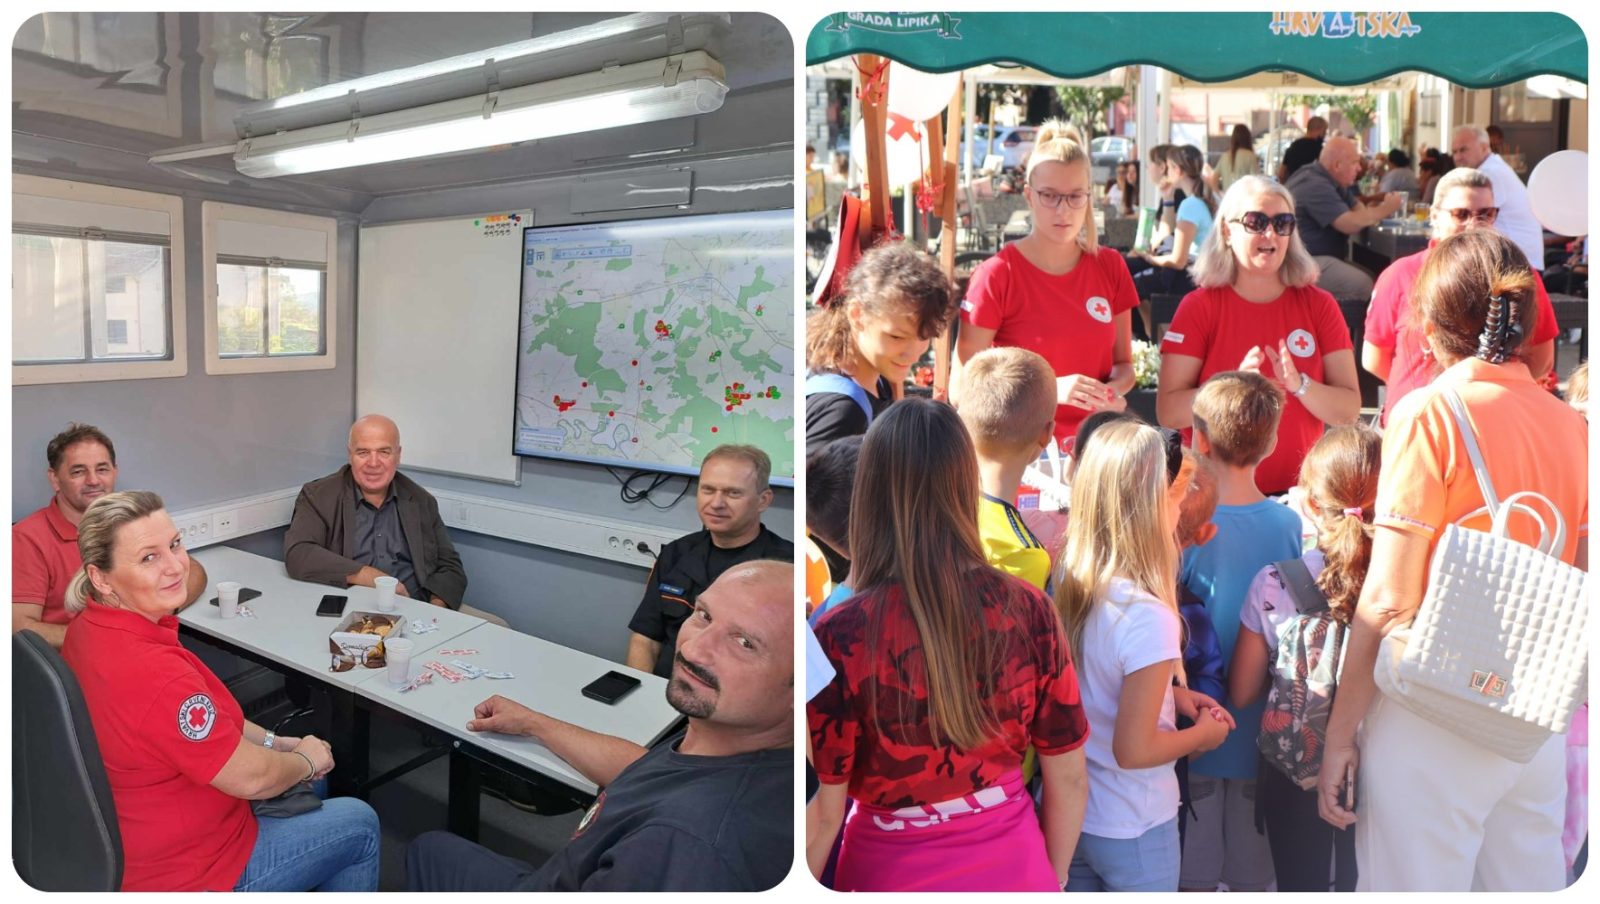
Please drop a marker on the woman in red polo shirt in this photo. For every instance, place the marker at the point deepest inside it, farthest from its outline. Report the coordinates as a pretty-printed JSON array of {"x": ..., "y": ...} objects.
[
  {"x": 182, "y": 761},
  {"x": 1057, "y": 292},
  {"x": 1257, "y": 308}
]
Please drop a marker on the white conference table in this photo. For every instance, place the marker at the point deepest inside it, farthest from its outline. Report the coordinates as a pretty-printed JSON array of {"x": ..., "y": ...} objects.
[{"x": 287, "y": 633}]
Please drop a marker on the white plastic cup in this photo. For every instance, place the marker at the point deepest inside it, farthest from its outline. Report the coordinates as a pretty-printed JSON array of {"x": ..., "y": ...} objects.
[
  {"x": 397, "y": 652},
  {"x": 385, "y": 587},
  {"x": 228, "y": 598}
]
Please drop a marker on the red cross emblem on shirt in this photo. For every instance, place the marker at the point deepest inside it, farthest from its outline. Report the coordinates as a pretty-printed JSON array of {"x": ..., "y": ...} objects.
[
  {"x": 1301, "y": 343},
  {"x": 197, "y": 717},
  {"x": 1100, "y": 308}
]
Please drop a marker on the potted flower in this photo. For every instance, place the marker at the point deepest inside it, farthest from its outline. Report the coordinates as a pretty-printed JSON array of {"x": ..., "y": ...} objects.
[{"x": 1146, "y": 367}]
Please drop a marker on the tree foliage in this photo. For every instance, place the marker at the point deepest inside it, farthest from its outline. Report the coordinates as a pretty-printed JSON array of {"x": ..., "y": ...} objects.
[{"x": 1087, "y": 106}]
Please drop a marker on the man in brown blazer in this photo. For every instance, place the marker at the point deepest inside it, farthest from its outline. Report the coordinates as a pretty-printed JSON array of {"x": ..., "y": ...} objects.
[{"x": 367, "y": 521}]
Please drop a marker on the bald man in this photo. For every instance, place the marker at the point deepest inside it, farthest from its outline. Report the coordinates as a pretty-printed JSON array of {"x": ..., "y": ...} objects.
[
  {"x": 1329, "y": 213},
  {"x": 367, "y": 521},
  {"x": 1471, "y": 146},
  {"x": 711, "y": 808}
]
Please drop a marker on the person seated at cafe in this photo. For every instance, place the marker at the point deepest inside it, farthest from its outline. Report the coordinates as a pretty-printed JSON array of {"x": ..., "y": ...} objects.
[
  {"x": 367, "y": 521},
  {"x": 44, "y": 546},
  {"x": 709, "y": 809},
  {"x": 1393, "y": 350},
  {"x": 733, "y": 492},
  {"x": 1400, "y": 177},
  {"x": 182, "y": 760},
  {"x": 1328, "y": 213}
]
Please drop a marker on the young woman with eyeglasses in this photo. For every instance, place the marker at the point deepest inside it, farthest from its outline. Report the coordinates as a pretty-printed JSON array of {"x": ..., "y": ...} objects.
[
  {"x": 1056, "y": 291},
  {"x": 1391, "y": 348},
  {"x": 1257, "y": 308}
]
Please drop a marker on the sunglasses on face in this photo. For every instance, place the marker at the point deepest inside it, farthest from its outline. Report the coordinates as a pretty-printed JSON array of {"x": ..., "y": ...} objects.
[
  {"x": 1482, "y": 214},
  {"x": 1052, "y": 200},
  {"x": 1255, "y": 222}
]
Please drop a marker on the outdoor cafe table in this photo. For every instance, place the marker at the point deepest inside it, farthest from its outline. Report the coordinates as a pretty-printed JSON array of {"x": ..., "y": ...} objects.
[
  {"x": 286, "y": 635},
  {"x": 1376, "y": 247}
]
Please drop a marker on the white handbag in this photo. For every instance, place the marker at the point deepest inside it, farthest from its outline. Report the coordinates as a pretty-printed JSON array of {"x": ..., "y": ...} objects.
[{"x": 1498, "y": 651}]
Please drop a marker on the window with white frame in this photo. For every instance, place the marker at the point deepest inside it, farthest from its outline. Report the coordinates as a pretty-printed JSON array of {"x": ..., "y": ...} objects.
[
  {"x": 270, "y": 301},
  {"x": 94, "y": 289}
]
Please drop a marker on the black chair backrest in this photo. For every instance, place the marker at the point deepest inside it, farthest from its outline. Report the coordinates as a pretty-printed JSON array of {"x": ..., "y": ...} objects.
[{"x": 64, "y": 834}]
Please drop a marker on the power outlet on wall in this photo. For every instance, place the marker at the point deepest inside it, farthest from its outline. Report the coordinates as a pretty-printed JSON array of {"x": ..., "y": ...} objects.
[{"x": 224, "y": 524}]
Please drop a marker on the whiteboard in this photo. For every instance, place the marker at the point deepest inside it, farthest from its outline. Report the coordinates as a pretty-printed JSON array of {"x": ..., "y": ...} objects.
[{"x": 436, "y": 338}]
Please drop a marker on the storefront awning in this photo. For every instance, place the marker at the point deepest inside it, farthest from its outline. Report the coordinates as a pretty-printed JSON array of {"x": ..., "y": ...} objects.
[{"x": 1475, "y": 50}]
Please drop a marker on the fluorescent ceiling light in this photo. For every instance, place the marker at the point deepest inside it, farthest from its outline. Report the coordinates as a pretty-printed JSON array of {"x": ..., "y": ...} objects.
[{"x": 666, "y": 88}]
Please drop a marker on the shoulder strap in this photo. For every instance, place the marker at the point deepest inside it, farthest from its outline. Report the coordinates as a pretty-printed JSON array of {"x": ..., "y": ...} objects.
[
  {"x": 842, "y": 385},
  {"x": 1302, "y": 587},
  {"x": 1500, "y": 510}
]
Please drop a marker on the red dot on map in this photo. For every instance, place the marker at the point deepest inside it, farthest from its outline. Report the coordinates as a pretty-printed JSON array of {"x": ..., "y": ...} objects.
[
  {"x": 641, "y": 382},
  {"x": 611, "y": 414},
  {"x": 636, "y": 362},
  {"x": 585, "y": 384},
  {"x": 713, "y": 430},
  {"x": 636, "y": 439},
  {"x": 727, "y": 408}
]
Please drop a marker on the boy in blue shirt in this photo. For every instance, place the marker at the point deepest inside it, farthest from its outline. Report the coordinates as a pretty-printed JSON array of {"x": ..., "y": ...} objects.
[{"x": 1236, "y": 416}]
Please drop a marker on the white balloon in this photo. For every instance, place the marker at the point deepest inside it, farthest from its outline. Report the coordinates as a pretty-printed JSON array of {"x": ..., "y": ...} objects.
[
  {"x": 1558, "y": 190},
  {"x": 904, "y": 155},
  {"x": 918, "y": 95}
]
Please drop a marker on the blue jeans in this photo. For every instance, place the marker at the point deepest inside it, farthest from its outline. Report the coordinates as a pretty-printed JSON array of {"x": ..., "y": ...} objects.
[
  {"x": 1147, "y": 863},
  {"x": 334, "y": 848}
]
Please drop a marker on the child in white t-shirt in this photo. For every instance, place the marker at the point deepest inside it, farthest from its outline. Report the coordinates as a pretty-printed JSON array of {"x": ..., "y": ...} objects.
[{"x": 1116, "y": 591}]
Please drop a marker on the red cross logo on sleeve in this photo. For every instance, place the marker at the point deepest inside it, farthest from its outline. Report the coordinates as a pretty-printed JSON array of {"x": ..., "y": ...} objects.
[{"x": 196, "y": 717}]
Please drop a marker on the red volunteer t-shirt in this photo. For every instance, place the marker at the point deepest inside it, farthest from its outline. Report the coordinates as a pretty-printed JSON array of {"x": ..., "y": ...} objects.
[
  {"x": 1070, "y": 319},
  {"x": 893, "y": 762},
  {"x": 1386, "y": 327},
  {"x": 166, "y": 726},
  {"x": 44, "y": 557},
  {"x": 1219, "y": 327}
]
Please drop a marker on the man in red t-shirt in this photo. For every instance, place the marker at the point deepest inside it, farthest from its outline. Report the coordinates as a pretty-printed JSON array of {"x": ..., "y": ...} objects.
[
  {"x": 44, "y": 545},
  {"x": 1392, "y": 349}
]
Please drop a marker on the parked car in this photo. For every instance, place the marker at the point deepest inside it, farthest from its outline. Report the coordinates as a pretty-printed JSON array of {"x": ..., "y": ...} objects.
[
  {"x": 1105, "y": 153},
  {"x": 1011, "y": 143}
]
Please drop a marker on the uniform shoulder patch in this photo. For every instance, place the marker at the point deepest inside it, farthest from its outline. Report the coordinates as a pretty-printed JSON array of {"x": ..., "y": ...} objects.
[{"x": 196, "y": 717}]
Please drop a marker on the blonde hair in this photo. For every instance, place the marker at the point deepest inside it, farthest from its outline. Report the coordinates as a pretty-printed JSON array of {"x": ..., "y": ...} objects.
[
  {"x": 1238, "y": 412},
  {"x": 1215, "y": 266},
  {"x": 1059, "y": 141},
  {"x": 1200, "y": 503},
  {"x": 1340, "y": 474},
  {"x": 1118, "y": 526},
  {"x": 97, "y": 537},
  {"x": 1578, "y": 388},
  {"x": 1006, "y": 399}
]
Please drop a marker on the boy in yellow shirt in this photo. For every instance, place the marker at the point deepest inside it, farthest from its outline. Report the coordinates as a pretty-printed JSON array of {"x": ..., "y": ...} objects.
[{"x": 1007, "y": 399}]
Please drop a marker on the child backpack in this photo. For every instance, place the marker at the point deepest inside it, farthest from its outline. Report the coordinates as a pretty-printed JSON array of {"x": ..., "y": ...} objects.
[
  {"x": 1305, "y": 674},
  {"x": 842, "y": 385}
]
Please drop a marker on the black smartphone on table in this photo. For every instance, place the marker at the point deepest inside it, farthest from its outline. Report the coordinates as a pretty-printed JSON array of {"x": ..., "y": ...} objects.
[
  {"x": 246, "y": 594},
  {"x": 332, "y": 605},
  {"x": 610, "y": 687}
]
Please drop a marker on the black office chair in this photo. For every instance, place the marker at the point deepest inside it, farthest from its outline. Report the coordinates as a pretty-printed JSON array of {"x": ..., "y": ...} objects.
[{"x": 64, "y": 834}]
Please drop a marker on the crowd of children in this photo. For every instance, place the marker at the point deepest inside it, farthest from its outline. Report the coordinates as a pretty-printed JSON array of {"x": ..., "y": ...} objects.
[{"x": 1167, "y": 663}]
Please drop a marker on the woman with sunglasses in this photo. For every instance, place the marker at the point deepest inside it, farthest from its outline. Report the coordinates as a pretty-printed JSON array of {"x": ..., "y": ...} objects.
[
  {"x": 1391, "y": 348},
  {"x": 1056, "y": 291},
  {"x": 1257, "y": 308}
]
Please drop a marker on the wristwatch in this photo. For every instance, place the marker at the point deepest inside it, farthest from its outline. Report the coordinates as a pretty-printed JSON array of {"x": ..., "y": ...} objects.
[
  {"x": 1305, "y": 383},
  {"x": 269, "y": 740}
]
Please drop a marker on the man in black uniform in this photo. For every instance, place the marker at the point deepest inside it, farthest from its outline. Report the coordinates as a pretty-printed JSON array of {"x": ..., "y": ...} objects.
[
  {"x": 709, "y": 809},
  {"x": 732, "y": 495}
]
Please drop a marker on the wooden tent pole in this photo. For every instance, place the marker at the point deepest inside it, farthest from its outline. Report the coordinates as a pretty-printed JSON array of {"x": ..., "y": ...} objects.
[
  {"x": 947, "y": 236},
  {"x": 874, "y": 117}
]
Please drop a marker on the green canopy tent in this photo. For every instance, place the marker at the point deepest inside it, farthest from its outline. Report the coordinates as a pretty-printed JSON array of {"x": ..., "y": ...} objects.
[{"x": 1474, "y": 50}]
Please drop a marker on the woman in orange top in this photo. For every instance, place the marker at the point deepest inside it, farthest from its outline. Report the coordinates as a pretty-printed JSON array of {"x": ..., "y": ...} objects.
[{"x": 1437, "y": 812}]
